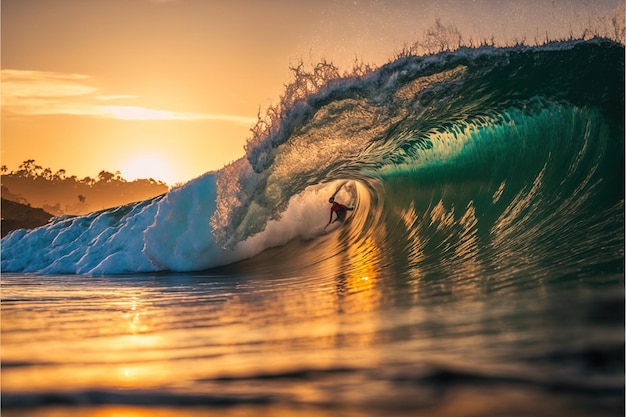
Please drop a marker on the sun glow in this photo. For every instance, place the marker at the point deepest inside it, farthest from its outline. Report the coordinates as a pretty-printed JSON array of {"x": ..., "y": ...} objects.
[{"x": 147, "y": 166}]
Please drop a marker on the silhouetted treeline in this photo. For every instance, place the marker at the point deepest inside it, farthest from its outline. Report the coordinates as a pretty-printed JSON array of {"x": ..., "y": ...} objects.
[{"x": 60, "y": 194}]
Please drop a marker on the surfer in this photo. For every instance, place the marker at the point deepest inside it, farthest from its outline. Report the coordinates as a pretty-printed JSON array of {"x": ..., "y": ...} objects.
[{"x": 341, "y": 210}]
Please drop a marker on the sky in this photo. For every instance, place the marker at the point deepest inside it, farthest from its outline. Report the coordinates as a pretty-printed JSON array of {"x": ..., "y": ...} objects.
[{"x": 169, "y": 89}]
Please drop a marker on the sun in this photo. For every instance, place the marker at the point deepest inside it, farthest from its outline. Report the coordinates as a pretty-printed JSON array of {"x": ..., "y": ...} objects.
[{"x": 148, "y": 165}]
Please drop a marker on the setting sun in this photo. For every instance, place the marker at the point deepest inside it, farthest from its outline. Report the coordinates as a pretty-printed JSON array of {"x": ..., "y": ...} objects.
[{"x": 149, "y": 165}]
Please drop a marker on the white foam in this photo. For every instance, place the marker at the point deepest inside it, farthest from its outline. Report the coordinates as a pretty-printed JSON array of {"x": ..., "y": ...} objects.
[{"x": 180, "y": 237}]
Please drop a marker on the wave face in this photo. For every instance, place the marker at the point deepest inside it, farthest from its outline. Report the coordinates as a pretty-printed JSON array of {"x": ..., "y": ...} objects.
[{"x": 488, "y": 161}]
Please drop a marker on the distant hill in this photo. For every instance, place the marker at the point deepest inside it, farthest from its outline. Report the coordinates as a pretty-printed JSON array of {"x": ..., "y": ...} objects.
[
  {"x": 20, "y": 216},
  {"x": 60, "y": 194}
]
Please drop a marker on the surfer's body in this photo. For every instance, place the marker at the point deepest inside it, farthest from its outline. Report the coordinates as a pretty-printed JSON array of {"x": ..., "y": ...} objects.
[{"x": 340, "y": 210}]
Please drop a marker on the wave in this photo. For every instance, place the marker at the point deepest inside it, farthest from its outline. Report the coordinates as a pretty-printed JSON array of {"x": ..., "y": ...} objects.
[{"x": 507, "y": 158}]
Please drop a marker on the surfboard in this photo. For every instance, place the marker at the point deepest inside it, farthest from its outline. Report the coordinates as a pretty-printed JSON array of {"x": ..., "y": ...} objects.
[{"x": 351, "y": 190}]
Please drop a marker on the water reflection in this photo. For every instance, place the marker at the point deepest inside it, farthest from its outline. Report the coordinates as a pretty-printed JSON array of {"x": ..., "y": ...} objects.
[
  {"x": 78, "y": 335},
  {"x": 147, "y": 332}
]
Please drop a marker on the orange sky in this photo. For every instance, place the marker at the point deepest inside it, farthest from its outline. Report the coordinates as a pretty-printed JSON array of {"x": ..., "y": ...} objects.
[{"x": 170, "y": 88}]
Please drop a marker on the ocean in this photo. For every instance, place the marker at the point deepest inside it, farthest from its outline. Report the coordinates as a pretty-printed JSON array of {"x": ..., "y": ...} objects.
[{"x": 481, "y": 272}]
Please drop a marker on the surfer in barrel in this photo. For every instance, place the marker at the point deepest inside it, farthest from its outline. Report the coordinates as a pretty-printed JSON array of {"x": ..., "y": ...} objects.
[{"x": 341, "y": 210}]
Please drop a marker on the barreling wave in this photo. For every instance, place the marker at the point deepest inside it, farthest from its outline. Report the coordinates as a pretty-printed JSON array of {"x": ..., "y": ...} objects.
[{"x": 496, "y": 157}]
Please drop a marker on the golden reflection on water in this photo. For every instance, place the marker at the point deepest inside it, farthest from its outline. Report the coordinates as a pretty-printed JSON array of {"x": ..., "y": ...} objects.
[
  {"x": 86, "y": 339},
  {"x": 363, "y": 265},
  {"x": 442, "y": 240},
  {"x": 134, "y": 337}
]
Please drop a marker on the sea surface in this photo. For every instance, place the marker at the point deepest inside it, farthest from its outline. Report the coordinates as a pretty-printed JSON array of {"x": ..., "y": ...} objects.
[{"x": 481, "y": 272}]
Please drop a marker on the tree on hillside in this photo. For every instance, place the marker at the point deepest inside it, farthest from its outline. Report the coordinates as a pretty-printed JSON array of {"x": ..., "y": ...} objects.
[
  {"x": 27, "y": 168},
  {"x": 105, "y": 176},
  {"x": 59, "y": 175},
  {"x": 47, "y": 174}
]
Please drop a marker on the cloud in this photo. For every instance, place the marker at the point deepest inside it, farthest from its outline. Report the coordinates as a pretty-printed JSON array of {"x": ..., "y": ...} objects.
[
  {"x": 141, "y": 113},
  {"x": 24, "y": 90},
  {"x": 116, "y": 97},
  {"x": 35, "y": 93}
]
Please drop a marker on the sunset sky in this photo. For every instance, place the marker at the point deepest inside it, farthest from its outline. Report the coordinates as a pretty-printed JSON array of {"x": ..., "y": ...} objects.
[{"x": 170, "y": 88}]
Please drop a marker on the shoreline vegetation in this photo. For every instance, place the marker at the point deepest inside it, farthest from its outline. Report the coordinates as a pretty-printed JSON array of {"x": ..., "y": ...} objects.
[{"x": 34, "y": 194}]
